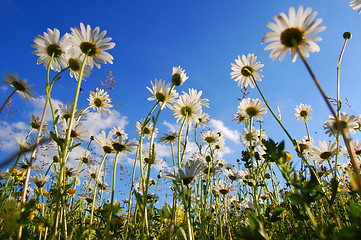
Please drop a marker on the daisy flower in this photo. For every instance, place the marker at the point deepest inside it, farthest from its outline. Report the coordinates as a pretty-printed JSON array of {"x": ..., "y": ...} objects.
[
  {"x": 233, "y": 174},
  {"x": 71, "y": 172},
  {"x": 252, "y": 108},
  {"x": 188, "y": 109},
  {"x": 23, "y": 144},
  {"x": 51, "y": 45},
  {"x": 246, "y": 70},
  {"x": 92, "y": 42},
  {"x": 19, "y": 85},
  {"x": 325, "y": 152},
  {"x": 146, "y": 130},
  {"x": 178, "y": 76},
  {"x": 203, "y": 119},
  {"x": 303, "y": 112},
  {"x": 128, "y": 145},
  {"x": 40, "y": 180},
  {"x": 105, "y": 141},
  {"x": 78, "y": 131},
  {"x": 305, "y": 144},
  {"x": 74, "y": 61},
  {"x": 119, "y": 133},
  {"x": 209, "y": 137},
  {"x": 169, "y": 137},
  {"x": 194, "y": 94},
  {"x": 191, "y": 170},
  {"x": 160, "y": 90},
  {"x": 64, "y": 111},
  {"x": 356, "y": 5},
  {"x": 222, "y": 187},
  {"x": 99, "y": 100},
  {"x": 253, "y": 138},
  {"x": 292, "y": 32},
  {"x": 86, "y": 157},
  {"x": 347, "y": 122}
]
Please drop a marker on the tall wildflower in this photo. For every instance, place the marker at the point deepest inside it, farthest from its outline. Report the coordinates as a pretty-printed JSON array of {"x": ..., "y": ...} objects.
[
  {"x": 293, "y": 31},
  {"x": 246, "y": 70},
  {"x": 51, "y": 46},
  {"x": 92, "y": 42}
]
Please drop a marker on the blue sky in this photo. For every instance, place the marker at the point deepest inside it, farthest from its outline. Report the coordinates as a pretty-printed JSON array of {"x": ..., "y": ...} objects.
[{"x": 203, "y": 37}]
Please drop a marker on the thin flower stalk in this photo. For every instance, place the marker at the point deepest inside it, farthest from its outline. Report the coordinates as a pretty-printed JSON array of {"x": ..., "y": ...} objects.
[
  {"x": 65, "y": 150},
  {"x": 347, "y": 36},
  {"x": 114, "y": 180},
  {"x": 38, "y": 137},
  {"x": 95, "y": 189}
]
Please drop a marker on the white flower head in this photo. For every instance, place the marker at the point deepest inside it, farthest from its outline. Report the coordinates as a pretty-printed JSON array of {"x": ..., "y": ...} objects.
[
  {"x": 191, "y": 169},
  {"x": 19, "y": 85},
  {"x": 51, "y": 46},
  {"x": 194, "y": 94},
  {"x": 105, "y": 141},
  {"x": 162, "y": 92},
  {"x": 74, "y": 61},
  {"x": 188, "y": 109},
  {"x": 92, "y": 42},
  {"x": 349, "y": 123},
  {"x": 253, "y": 138},
  {"x": 252, "y": 108},
  {"x": 292, "y": 32},
  {"x": 99, "y": 100},
  {"x": 119, "y": 132},
  {"x": 40, "y": 180},
  {"x": 146, "y": 130},
  {"x": 326, "y": 151},
  {"x": 303, "y": 112},
  {"x": 178, "y": 76},
  {"x": 246, "y": 70},
  {"x": 221, "y": 187},
  {"x": 78, "y": 130}
]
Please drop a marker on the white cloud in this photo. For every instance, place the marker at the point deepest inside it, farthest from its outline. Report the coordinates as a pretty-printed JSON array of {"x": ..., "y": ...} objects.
[
  {"x": 229, "y": 134},
  {"x": 97, "y": 122},
  {"x": 173, "y": 127}
]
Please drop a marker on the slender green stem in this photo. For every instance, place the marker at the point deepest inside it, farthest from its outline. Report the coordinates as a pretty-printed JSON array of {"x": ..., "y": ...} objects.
[
  {"x": 95, "y": 189},
  {"x": 272, "y": 112}
]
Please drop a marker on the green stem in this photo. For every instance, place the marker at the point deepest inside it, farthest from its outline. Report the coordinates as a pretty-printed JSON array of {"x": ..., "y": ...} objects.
[{"x": 95, "y": 190}]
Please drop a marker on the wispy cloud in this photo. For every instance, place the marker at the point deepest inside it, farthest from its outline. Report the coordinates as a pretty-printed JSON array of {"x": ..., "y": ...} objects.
[{"x": 218, "y": 125}]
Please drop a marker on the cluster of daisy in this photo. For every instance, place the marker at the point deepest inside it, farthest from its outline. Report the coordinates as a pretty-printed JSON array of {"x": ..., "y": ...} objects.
[{"x": 69, "y": 51}]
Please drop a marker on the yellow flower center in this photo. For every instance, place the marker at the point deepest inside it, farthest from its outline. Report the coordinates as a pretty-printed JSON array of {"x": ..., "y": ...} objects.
[
  {"x": 18, "y": 86},
  {"x": 209, "y": 139},
  {"x": 338, "y": 126},
  {"x": 247, "y": 71},
  {"x": 54, "y": 49},
  {"x": 74, "y": 64},
  {"x": 176, "y": 79},
  {"x": 325, "y": 155},
  {"x": 89, "y": 48},
  {"x": 160, "y": 96},
  {"x": 252, "y": 111},
  {"x": 186, "y": 111},
  {"x": 303, "y": 113},
  {"x": 98, "y": 102},
  {"x": 119, "y": 147},
  {"x": 292, "y": 37}
]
